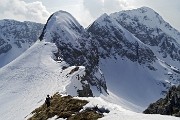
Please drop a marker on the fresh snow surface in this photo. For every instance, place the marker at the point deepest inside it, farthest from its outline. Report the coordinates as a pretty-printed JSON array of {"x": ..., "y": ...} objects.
[
  {"x": 134, "y": 86},
  {"x": 131, "y": 81},
  {"x": 56, "y": 118},
  {"x": 25, "y": 82},
  {"x": 119, "y": 113},
  {"x": 64, "y": 26},
  {"x": 12, "y": 54}
]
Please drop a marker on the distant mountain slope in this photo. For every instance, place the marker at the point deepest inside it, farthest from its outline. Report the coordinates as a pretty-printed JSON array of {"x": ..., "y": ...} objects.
[
  {"x": 149, "y": 27},
  {"x": 130, "y": 67},
  {"x": 113, "y": 40},
  {"x": 16, "y": 37}
]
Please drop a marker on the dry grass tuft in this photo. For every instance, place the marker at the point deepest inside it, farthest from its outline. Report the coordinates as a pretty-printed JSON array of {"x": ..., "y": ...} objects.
[{"x": 65, "y": 107}]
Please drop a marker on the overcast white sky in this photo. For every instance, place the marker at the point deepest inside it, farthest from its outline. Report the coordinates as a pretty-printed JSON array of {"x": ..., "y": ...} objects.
[{"x": 85, "y": 11}]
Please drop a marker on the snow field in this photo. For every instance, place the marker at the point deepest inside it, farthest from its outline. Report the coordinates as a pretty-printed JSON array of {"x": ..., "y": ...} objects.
[{"x": 32, "y": 76}]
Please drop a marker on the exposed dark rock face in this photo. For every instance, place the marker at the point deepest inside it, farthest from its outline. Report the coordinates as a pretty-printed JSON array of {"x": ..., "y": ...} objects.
[
  {"x": 86, "y": 91},
  {"x": 5, "y": 48},
  {"x": 170, "y": 105}
]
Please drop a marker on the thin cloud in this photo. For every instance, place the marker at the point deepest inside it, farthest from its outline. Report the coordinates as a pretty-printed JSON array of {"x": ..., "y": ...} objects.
[
  {"x": 98, "y": 7},
  {"x": 20, "y": 10}
]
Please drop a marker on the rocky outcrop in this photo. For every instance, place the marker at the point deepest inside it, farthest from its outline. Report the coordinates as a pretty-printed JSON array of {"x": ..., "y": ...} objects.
[
  {"x": 170, "y": 105},
  {"x": 68, "y": 108}
]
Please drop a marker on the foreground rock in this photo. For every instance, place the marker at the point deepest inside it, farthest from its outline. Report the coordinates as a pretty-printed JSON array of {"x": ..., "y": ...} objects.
[
  {"x": 66, "y": 107},
  {"x": 170, "y": 105}
]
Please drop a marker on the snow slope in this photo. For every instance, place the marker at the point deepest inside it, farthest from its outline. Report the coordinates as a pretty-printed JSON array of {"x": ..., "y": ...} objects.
[
  {"x": 25, "y": 82},
  {"x": 134, "y": 83},
  {"x": 64, "y": 26},
  {"x": 138, "y": 80},
  {"x": 119, "y": 113},
  {"x": 150, "y": 28},
  {"x": 27, "y": 85},
  {"x": 32, "y": 76}
]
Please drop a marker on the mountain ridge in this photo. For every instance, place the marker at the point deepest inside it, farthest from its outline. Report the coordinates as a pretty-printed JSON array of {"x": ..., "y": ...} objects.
[
  {"x": 108, "y": 38},
  {"x": 105, "y": 61},
  {"x": 151, "y": 29}
]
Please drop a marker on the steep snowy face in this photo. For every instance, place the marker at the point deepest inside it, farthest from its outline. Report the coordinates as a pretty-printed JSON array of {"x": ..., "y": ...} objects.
[
  {"x": 62, "y": 29},
  {"x": 75, "y": 46},
  {"x": 113, "y": 40},
  {"x": 16, "y": 37},
  {"x": 131, "y": 68},
  {"x": 151, "y": 29}
]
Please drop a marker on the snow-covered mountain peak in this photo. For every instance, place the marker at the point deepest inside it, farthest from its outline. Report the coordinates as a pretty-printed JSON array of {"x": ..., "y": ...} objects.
[
  {"x": 114, "y": 40},
  {"x": 149, "y": 27},
  {"x": 106, "y": 20},
  {"x": 74, "y": 44},
  {"x": 146, "y": 19},
  {"x": 64, "y": 18},
  {"x": 145, "y": 9},
  {"x": 105, "y": 23},
  {"x": 143, "y": 15},
  {"x": 102, "y": 17},
  {"x": 62, "y": 27}
]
